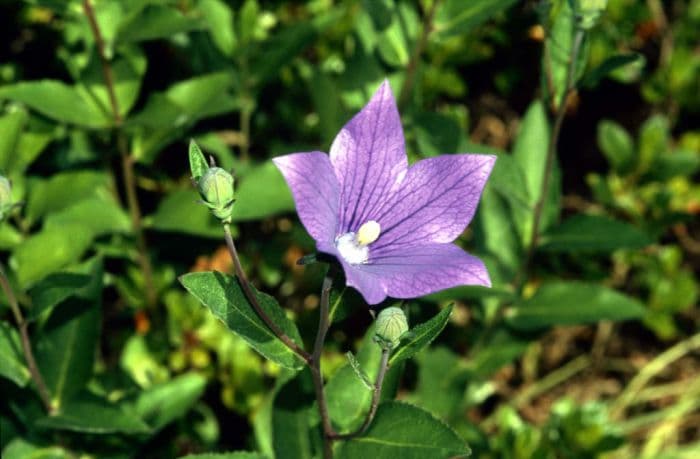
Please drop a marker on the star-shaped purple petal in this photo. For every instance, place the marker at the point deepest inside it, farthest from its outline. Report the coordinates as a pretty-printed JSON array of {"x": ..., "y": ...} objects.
[{"x": 391, "y": 226}]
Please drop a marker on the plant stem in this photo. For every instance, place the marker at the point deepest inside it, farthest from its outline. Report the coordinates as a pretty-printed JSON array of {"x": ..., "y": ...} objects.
[
  {"x": 415, "y": 57},
  {"x": 376, "y": 394},
  {"x": 127, "y": 161},
  {"x": 26, "y": 343},
  {"x": 315, "y": 364},
  {"x": 253, "y": 300}
]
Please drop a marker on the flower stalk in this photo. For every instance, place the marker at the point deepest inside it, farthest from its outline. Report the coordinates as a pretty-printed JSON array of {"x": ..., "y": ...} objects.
[{"x": 26, "y": 343}]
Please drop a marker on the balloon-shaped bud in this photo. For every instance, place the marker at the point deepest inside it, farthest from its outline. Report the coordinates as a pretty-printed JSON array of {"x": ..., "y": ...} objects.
[
  {"x": 216, "y": 189},
  {"x": 390, "y": 327}
]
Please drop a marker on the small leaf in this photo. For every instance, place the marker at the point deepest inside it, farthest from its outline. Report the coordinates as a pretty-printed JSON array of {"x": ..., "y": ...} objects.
[
  {"x": 355, "y": 364},
  {"x": 11, "y": 126},
  {"x": 616, "y": 144},
  {"x": 405, "y": 431},
  {"x": 89, "y": 414},
  {"x": 421, "y": 336},
  {"x": 198, "y": 163},
  {"x": 154, "y": 21},
  {"x": 219, "y": 18},
  {"x": 223, "y": 295},
  {"x": 570, "y": 303},
  {"x": 53, "y": 289},
  {"x": 611, "y": 65},
  {"x": 12, "y": 364},
  {"x": 593, "y": 233},
  {"x": 162, "y": 404}
]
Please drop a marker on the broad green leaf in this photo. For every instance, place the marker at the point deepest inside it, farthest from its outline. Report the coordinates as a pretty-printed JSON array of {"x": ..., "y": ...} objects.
[
  {"x": 179, "y": 212},
  {"x": 223, "y": 295},
  {"x": 30, "y": 146},
  {"x": 421, "y": 336},
  {"x": 442, "y": 381},
  {"x": 21, "y": 448},
  {"x": 11, "y": 126},
  {"x": 12, "y": 364},
  {"x": 63, "y": 190},
  {"x": 198, "y": 164},
  {"x": 570, "y": 303},
  {"x": 48, "y": 251},
  {"x": 348, "y": 397},
  {"x": 89, "y": 414},
  {"x": 457, "y": 17},
  {"x": 617, "y": 145},
  {"x": 231, "y": 455},
  {"x": 57, "y": 101},
  {"x": 292, "y": 431},
  {"x": 95, "y": 216},
  {"x": 261, "y": 192},
  {"x": 405, "y": 431},
  {"x": 65, "y": 345},
  {"x": 593, "y": 233},
  {"x": 162, "y": 404},
  {"x": 219, "y": 19},
  {"x": 53, "y": 289},
  {"x": 154, "y": 21},
  {"x": 396, "y": 42}
]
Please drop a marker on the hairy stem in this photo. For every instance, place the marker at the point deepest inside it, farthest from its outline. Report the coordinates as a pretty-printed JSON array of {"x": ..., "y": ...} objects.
[
  {"x": 376, "y": 395},
  {"x": 26, "y": 343},
  {"x": 253, "y": 300},
  {"x": 127, "y": 161},
  {"x": 315, "y": 364},
  {"x": 417, "y": 51}
]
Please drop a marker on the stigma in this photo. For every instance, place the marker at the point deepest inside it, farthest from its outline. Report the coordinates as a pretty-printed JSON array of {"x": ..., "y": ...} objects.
[{"x": 354, "y": 247}]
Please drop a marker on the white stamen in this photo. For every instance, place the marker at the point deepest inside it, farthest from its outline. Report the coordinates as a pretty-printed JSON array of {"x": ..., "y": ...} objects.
[
  {"x": 368, "y": 232},
  {"x": 350, "y": 250}
]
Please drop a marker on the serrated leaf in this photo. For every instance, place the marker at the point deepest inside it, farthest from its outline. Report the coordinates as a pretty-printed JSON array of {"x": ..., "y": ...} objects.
[
  {"x": 223, "y": 295},
  {"x": 357, "y": 368},
  {"x": 89, "y": 414},
  {"x": 162, "y": 404},
  {"x": 593, "y": 233},
  {"x": 421, "y": 336},
  {"x": 405, "y": 431},
  {"x": 53, "y": 289},
  {"x": 12, "y": 364},
  {"x": 198, "y": 163},
  {"x": 570, "y": 303}
]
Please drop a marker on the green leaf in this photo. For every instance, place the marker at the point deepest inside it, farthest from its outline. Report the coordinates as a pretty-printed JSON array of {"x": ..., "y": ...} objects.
[
  {"x": 405, "y": 431},
  {"x": 441, "y": 382},
  {"x": 593, "y": 233},
  {"x": 198, "y": 164},
  {"x": 152, "y": 22},
  {"x": 21, "y": 448},
  {"x": 436, "y": 133},
  {"x": 231, "y": 455},
  {"x": 57, "y": 101},
  {"x": 12, "y": 364},
  {"x": 279, "y": 50},
  {"x": 11, "y": 126},
  {"x": 96, "y": 216},
  {"x": 261, "y": 192},
  {"x": 219, "y": 19},
  {"x": 359, "y": 372},
  {"x": 89, "y": 414},
  {"x": 617, "y": 145},
  {"x": 570, "y": 303},
  {"x": 223, "y": 295},
  {"x": 456, "y": 17},
  {"x": 49, "y": 251},
  {"x": 610, "y": 65},
  {"x": 54, "y": 289},
  {"x": 396, "y": 42},
  {"x": 421, "y": 336},
  {"x": 66, "y": 343},
  {"x": 63, "y": 190},
  {"x": 179, "y": 212},
  {"x": 162, "y": 404},
  {"x": 292, "y": 432},
  {"x": 653, "y": 141}
]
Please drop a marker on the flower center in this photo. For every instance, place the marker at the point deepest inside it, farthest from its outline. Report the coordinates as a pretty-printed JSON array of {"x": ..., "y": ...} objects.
[{"x": 353, "y": 247}]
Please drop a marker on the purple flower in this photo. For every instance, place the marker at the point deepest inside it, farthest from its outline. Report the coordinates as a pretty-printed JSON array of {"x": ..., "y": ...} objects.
[{"x": 391, "y": 226}]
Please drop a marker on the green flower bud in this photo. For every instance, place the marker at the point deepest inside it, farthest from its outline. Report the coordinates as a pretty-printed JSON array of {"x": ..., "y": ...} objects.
[
  {"x": 5, "y": 197},
  {"x": 391, "y": 326},
  {"x": 216, "y": 189}
]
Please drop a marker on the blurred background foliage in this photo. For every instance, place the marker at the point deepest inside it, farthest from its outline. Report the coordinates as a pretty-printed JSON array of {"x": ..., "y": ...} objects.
[{"x": 587, "y": 344}]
